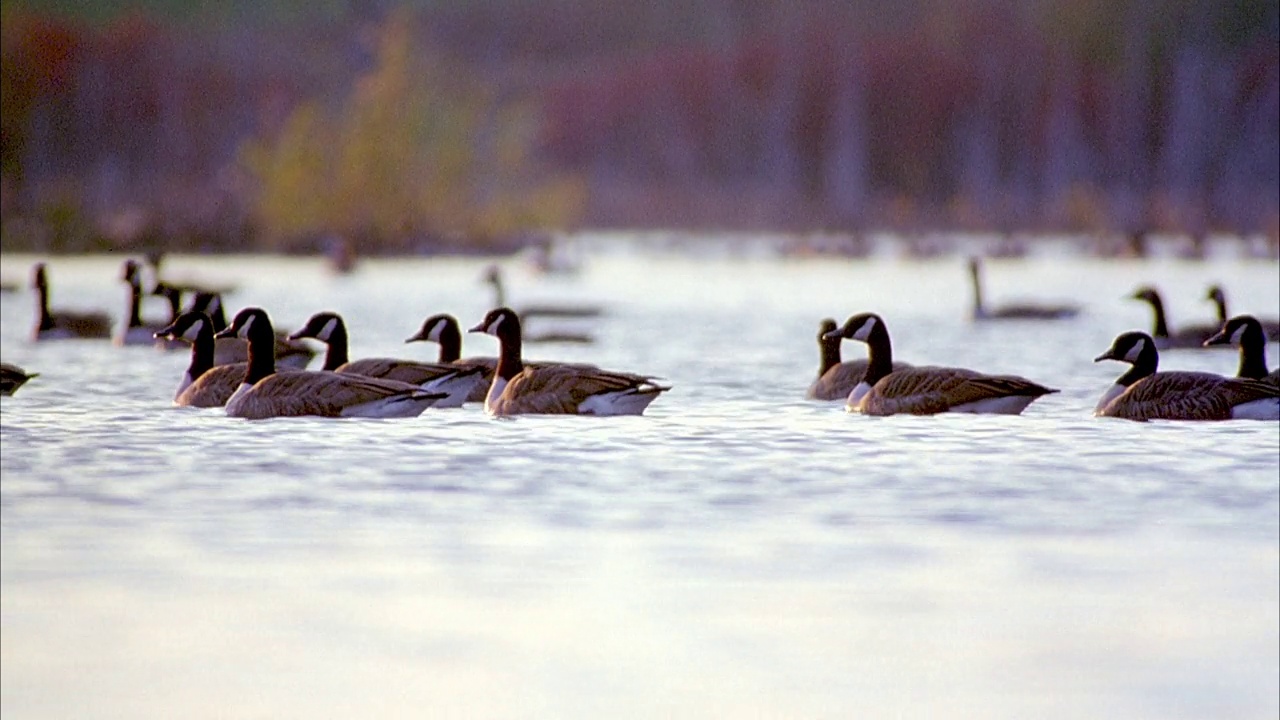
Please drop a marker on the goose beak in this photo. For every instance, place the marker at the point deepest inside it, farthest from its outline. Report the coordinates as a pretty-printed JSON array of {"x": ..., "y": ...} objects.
[
  {"x": 478, "y": 328},
  {"x": 1108, "y": 355},
  {"x": 1218, "y": 338},
  {"x": 416, "y": 337},
  {"x": 298, "y": 335},
  {"x": 225, "y": 333},
  {"x": 837, "y": 334}
]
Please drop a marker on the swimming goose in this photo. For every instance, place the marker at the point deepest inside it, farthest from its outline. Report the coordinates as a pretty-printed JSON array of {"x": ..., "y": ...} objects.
[
  {"x": 493, "y": 276},
  {"x": 929, "y": 389},
  {"x": 836, "y": 379},
  {"x": 264, "y": 393},
  {"x": 456, "y": 381},
  {"x": 1144, "y": 394},
  {"x": 444, "y": 330},
  {"x": 62, "y": 324},
  {"x": 557, "y": 389},
  {"x": 135, "y": 331},
  {"x": 1020, "y": 311},
  {"x": 290, "y": 354},
  {"x": 1245, "y": 332},
  {"x": 204, "y": 384},
  {"x": 1270, "y": 328},
  {"x": 13, "y": 377},
  {"x": 1188, "y": 337}
]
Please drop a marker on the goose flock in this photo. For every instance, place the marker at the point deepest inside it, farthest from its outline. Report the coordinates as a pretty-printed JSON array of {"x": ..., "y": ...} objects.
[{"x": 254, "y": 371}]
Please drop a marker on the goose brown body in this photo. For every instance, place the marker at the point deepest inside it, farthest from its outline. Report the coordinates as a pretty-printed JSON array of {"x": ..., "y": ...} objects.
[
  {"x": 457, "y": 381},
  {"x": 555, "y": 388},
  {"x": 64, "y": 324},
  {"x": 837, "y": 377},
  {"x": 204, "y": 384},
  {"x": 928, "y": 390},
  {"x": 264, "y": 393},
  {"x": 1180, "y": 395}
]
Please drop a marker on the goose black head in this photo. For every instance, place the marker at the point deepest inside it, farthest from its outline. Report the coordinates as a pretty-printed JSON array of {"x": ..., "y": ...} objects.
[
  {"x": 39, "y": 279},
  {"x": 435, "y": 328},
  {"x": 499, "y": 322},
  {"x": 320, "y": 326},
  {"x": 1215, "y": 294},
  {"x": 249, "y": 322},
  {"x": 1146, "y": 293},
  {"x": 1237, "y": 331},
  {"x": 862, "y": 326},
  {"x": 188, "y": 326},
  {"x": 1129, "y": 347},
  {"x": 129, "y": 272}
]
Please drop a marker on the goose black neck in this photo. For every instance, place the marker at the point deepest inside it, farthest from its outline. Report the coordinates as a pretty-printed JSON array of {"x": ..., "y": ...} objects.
[
  {"x": 262, "y": 350},
  {"x": 1147, "y": 363},
  {"x": 336, "y": 355},
  {"x": 978, "y": 310},
  {"x": 879, "y": 354},
  {"x": 1253, "y": 353},
  {"x": 46, "y": 318},
  {"x": 499, "y": 292},
  {"x": 201, "y": 352},
  {"x": 1161, "y": 329},
  {"x": 175, "y": 304},
  {"x": 450, "y": 343},
  {"x": 510, "y": 362},
  {"x": 829, "y": 354},
  {"x": 1220, "y": 303},
  {"x": 135, "y": 304}
]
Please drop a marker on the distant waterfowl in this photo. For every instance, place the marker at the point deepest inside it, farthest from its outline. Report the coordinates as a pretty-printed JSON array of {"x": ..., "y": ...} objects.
[
  {"x": 1192, "y": 336},
  {"x": 203, "y": 384},
  {"x": 1270, "y": 328},
  {"x": 173, "y": 296},
  {"x": 836, "y": 379},
  {"x": 493, "y": 276},
  {"x": 64, "y": 324},
  {"x": 458, "y": 382},
  {"x": 264, "y": 393},
  {"x": 290, "y": 354},
  {"x": 928, "y": 390},
  {"x": 135, "y": 331},
  {"x": 557, "y": 389},
  {"x": 1142, "y": 393},
  {"x": 1022, "y": 311},
  {"x": 155, "y": 259},
  {"x": 13, "y": 377},
  {"x": 8, "y": 287},
  {"x": 1245, "y": 332}
]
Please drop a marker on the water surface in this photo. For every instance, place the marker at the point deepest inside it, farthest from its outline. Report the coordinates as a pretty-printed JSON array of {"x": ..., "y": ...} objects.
[{"x": 737, "y": 552}]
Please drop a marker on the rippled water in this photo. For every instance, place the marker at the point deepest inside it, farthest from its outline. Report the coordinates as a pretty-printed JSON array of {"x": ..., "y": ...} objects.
[{"x": 737, "y": 552}]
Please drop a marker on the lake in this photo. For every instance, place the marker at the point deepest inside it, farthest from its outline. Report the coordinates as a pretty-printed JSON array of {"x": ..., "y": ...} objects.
[{"x": 736, "y": 552}]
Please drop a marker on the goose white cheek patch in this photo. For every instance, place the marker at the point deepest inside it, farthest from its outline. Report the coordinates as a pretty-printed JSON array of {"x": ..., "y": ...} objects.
[
  {"x": 864, "y": 330},
  {"x": 244, "y": 329},
  {"x": 193, "y": 331},
  {"x": 1132, "y": 355},
  {"x": 1238, "y": 335},
  {"x": 434, "y": 333},
  {"x": 326, "y": 332}
]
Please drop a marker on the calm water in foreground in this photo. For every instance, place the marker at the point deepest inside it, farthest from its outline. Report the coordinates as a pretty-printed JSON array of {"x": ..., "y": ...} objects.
[{"x": 737, "y": 552}]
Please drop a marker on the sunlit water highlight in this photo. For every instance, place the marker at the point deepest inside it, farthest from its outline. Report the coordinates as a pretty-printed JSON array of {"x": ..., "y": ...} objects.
[{"x": 737, "y": 552}]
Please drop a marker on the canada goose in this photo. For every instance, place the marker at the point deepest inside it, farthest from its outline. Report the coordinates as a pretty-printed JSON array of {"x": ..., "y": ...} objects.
[
  {"x": 493, "y": 276},
  {"x": 1245, "y": 332},
  {"x": 557, "y": 389},
  {"x": 135, "y": 331},
  {"x": 62, "y": 324},
  {"x": 13, "y": 377},
  {"x": 927, "y": 390},
  {"x": 444, "y": 330},
  {"x": 1188, "y": 337},
  {"x": 456, "y": 381},
  {"x": 1013, "y": 312},
  {"x": 836, "y": 379},
  {"x": 204, "y": 384},
  {"x": 1144, "y": 394},
  {"x": 290, "y": 354},
  {"x": 173, "y": 295},
  {"x": 264, "y": 393},
  {"x": 155, "y": 259},
  {"x": 1270, "y": 328}
]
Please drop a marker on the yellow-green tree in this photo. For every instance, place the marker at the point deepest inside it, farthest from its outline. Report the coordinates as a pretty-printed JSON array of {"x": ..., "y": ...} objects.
[{"x": 417, "y": 147}]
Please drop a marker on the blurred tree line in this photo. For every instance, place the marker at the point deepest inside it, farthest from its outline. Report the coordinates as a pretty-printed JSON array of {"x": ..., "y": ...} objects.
[{"x": 433, "y": 125}]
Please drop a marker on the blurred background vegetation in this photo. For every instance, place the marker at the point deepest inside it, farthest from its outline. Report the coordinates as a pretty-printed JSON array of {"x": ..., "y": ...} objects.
[{"x": 436, "y": 126}]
